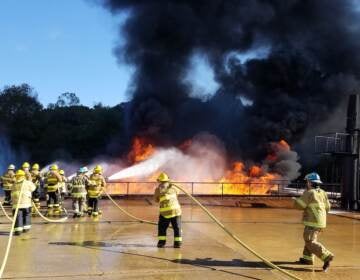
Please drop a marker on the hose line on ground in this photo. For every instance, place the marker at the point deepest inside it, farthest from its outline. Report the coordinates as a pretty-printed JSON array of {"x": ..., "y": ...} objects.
[
  {"x": 267, "y": 262},
  {"x": 127, "y": 213},
  {"x": 47, "y": 219},
  {"x": 233, "y": 236},
  {"x": 7, "y": 252},
  {"x": 5, "y": 213}
]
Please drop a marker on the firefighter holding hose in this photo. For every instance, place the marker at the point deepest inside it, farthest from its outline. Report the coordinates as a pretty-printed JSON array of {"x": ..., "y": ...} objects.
[
  {"x": 315, "y": 204},
  {"x": 52, "y": 184},
  {"x": 37, "y": 180},
  {"x": 78, "y": 186},
  {"x": 94, "y": 191},
  {"x": 170, "y": 211}
]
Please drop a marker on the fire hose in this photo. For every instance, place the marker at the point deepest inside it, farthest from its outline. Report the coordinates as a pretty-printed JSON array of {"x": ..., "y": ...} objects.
[
  {"x": 233, "y": 236},
  {"x": 6, "y": 214},
  {"x": 47, "y": 219},
  {"x": 7, "y": 252}
]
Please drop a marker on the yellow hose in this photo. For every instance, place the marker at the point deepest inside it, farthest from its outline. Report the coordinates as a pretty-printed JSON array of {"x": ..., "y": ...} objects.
[
  {"x": 7, "y": 252},
  {"x": 267, "y": 262},
  {"x": 47, "y": 219},
  {"x": 6, "y": 214},
  {"x": 127, "y": 213}
]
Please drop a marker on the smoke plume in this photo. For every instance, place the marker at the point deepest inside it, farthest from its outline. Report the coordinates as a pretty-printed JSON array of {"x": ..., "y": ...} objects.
[{"x": 312, "y": 62}]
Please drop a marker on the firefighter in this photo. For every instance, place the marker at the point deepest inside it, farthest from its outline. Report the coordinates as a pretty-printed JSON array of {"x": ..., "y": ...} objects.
[
  {"x": 26, "y": 168},
  {"x": 7, "y": 182},
  {"x": 37, "y": 180},
  {"x": 63, "y": 187},
  {"x": 52, "y": 184},
  {"x": 315, "y": 204},
  {"x": 170, "y": 211},
  {"x": 94, "y": 191},
  {"x": 78, "y": 186},
  {"x": 23, "y": 218}
]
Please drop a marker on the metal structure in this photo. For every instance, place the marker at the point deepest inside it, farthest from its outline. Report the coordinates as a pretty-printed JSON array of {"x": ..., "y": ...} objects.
[{"x": 344, "y": 148}]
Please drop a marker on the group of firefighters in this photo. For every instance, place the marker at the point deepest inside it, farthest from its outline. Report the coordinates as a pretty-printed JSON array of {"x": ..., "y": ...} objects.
[{"x": 86, "y": 190}]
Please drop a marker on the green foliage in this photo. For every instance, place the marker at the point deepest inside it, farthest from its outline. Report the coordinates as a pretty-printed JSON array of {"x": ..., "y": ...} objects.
[{"x": 64, "y": 130}]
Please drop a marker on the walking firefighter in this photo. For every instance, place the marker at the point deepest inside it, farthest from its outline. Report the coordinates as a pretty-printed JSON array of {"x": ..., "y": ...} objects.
[
  {"x": 52, "y": 185},
  {"x": 170, "y": 211},
  {"x": 94, "y": 191},
  {"x": 25, "y": 188},
  {"x": 37, "y": 180},
  {"x": 315, "y": 204}
]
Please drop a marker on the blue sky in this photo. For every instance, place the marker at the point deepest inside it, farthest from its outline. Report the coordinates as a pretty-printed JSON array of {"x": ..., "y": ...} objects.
[{"x": 66, "y": 45}]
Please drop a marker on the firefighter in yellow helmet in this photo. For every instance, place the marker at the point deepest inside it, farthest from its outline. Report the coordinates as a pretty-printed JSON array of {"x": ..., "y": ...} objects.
[
  {"x": 94, "y": 191},
  {"x": 52, "y": 184},
  {"x": 315, "y": 204},
  {"x": 26, "y": 168},
  {"x": 170, "y": 211},
  {"x": 37, "y": 180},
  {"x": 7, "y": 182},
  {"x": 23, "y": 218}
]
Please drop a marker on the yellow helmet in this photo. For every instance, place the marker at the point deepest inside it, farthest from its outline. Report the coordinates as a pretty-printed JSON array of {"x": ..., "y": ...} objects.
[
  {"x": 35, "y": 166},
  {"x": 62, "y": 172},
  {"x": 54, "y": 167},
  {"x": 163, "y": 177},
  {"x": 26, "y": 165},
  {"x": 11, "y": 167},
  {"x": 98, "y": 169},
  {"x": 20, "y": 174}
]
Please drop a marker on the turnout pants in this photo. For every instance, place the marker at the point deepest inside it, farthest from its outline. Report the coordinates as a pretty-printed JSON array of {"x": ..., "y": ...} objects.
[
  {"x": 312, "y": 246},
  {"x": 93, "y": 205},
  {"x": 164, "y": 224},
  {"x": 53, "y": 200},
  {"x": 23, "y": 219},
  {"x": 79, "y": 204},
  {"x": 7, "y": 197}
]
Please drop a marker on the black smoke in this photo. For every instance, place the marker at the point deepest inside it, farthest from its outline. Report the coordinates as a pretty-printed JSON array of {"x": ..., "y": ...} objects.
[{"x": 313, "y": 53}]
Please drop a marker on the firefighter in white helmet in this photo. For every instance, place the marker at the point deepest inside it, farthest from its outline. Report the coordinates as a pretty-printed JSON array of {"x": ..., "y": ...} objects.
[
  {"x": 170, "y": 211},
  {"x": 23, "y": 218},
  {"x": 315, "y": 204},
  {"x": 94, "y": 191},
  {"x": 7, "y": 182}
]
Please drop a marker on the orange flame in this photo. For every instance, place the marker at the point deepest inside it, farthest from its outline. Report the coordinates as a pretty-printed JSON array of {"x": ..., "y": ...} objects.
[{"x": 141, "y": 150}]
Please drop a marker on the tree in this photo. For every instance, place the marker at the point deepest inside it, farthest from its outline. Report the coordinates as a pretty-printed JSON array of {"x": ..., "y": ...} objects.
[{"x": 67, "y": 99}]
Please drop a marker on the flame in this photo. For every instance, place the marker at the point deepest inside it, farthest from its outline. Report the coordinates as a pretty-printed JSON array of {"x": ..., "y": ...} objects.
[{"x": 141, "y": 150}]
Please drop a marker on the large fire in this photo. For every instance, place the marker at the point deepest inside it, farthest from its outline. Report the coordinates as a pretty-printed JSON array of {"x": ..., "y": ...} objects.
[{"x": 239, "y": 179}]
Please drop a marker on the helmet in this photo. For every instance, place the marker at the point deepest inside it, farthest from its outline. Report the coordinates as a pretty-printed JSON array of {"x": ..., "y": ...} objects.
[
  {"x": 62, "y": 172},
  {"x": 20, "y": 173},
  {"x": 54, "y": 167},
  {"x": 98, "y": 169},
  {"x": 26, "y": 165},
  {"x": 82, "y": 170},
  {"x": 35, "y": 166},
  {"x": 85, "y": 169},
  {"x": 163, "y": 177},
  {"x": 11, "y": 167},
  {"x": 313, "y": 177}
]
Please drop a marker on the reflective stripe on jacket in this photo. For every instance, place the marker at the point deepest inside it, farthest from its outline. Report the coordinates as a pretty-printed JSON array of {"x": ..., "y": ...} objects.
[
  {"x": 78, "y": 186},
  {"x": 53, "y": 181},
  {"x": 315, "y": 204},
  {"x": 8, "y": 180},
  {"x": 25, "y": 199},
  {"x": 96, "y": 188},
  {"x": 166, "y": 194}
]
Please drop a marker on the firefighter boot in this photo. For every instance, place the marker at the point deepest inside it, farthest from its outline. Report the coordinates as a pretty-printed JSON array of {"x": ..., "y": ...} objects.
[
  {"x": 327, "y": 262},
  {"x": 161, "y": 243},
  {"x": 177, "y": 244},
  {"x": 305, "y": 261}
]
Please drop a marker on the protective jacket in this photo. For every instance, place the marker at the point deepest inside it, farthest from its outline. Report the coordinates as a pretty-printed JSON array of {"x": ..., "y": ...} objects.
[
  {"x": 25, "y": 199},
  {"x": 166, "y": 194},
  {"x": 63, "y": 185},
  {"x": 78, "y": 186},
  {"x": 315, "y": 204},
  {"x": 53, "y": 180},
  {"x": 8, "y": 180},
  {"x": 96, "y": 188},
  {"x": 36, "y": 178}
]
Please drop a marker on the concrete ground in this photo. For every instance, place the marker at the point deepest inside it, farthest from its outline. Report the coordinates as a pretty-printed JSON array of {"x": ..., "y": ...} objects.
[{"x": 115, "y": 247}]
